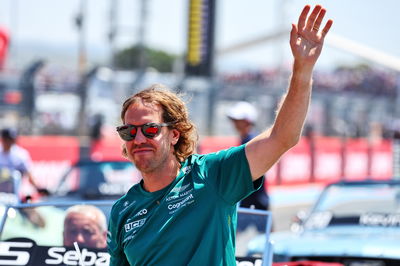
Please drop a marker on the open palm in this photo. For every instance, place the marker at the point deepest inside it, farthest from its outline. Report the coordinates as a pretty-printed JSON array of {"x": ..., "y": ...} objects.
[{"x": 306, "y": 38}]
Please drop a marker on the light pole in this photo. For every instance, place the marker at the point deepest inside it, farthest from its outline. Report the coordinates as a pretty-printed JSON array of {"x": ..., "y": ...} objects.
[
  {"x": 80, "y": 21},
  {"x": 82, "y": 131},
  {"x": 141, "y": 43},
  {"x": 396, "y": 135},
  {"x": 14, "y": 11},
  {"x": 114, "y": 6}
]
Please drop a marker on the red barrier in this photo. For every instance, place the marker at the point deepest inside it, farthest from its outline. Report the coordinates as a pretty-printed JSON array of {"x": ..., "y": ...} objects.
[
  {"x": 51, "y": 148},
  {"x": 294, "y": 166},
  {"x": 4, "y": 44},
  {"x": 216, "y": 143},
  {"x": 51, "y": 155},
  {"x": 107, "y": 149},
  {"x": 328, "y": 159},
  {"x": 334, "y": 159},
  {"x": 381, "y": 159}
]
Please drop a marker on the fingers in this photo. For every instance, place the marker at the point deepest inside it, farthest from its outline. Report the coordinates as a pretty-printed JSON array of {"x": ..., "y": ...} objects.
[
  {"x": 303, "y": 16},
  {"x": 314, "y": 20},
  {"x": 313, "y": 16},
  {"x": 310, "y": 24},
  {"x": 325, "y": 30},
  {"x": 319, "y": 19},
  {"x": 293, "y": 35}
]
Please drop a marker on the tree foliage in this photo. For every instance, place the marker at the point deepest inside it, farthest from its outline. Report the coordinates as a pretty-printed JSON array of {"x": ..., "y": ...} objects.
[{"x": 129, "y": 59}]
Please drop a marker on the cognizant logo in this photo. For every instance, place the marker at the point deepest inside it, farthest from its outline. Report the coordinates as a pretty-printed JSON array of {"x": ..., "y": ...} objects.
[{"x": 179, "y": 204}]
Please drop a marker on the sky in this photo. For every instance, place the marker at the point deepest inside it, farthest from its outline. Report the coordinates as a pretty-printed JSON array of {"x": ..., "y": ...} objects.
[{"x": 42, "y": 28}]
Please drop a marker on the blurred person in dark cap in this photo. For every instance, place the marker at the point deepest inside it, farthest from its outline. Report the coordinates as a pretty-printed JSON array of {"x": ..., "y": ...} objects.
[
  {"x": 15, "y": 158},
  {"x": 244, "y": 117}
]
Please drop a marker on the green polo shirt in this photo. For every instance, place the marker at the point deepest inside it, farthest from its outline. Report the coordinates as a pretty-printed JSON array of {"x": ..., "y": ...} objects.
[{"x": 190, "y": 222}]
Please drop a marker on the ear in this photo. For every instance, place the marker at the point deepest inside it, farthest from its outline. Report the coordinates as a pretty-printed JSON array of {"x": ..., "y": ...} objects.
[
  {"x": 104, "y": 234},
  {"x": 124, "y": 151},
  {"x": 175, "y": 135}
]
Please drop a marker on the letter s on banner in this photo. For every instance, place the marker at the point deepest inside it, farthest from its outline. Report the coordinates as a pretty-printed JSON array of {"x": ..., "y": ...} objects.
[
  {"x": 21, "y": 257},
  {"x": 54, "y": 254}
]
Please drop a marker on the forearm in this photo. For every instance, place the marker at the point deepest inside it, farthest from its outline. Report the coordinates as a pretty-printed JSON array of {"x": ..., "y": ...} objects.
[
  {"x": 31, "y": 179},
  {"x": 293, "y": 109}
]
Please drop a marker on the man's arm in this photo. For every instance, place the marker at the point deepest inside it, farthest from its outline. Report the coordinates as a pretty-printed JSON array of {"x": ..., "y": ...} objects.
[
  {"x": 40, "y": 190},
  {"x": 26, "y": 172},
  {"x": 306, "y": 42},
  {"x": 31, "y": 180}
]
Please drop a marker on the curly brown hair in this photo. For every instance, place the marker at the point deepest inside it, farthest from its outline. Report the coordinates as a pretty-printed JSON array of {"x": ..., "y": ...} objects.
[{"x": 174, "y": 110}]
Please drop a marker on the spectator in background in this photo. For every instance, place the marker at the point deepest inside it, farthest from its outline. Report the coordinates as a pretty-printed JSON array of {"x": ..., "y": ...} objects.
[
  {"x": 244, "y": 116},
  {"x": 15, "y": 158},
  {"x": 95, "y": 124},
  {"x": 86, "y": 225}
]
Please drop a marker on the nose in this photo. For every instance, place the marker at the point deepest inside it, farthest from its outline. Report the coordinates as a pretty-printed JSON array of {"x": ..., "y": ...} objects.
[
  {"x": 80, "y": 238},
  {"x": 139, "y": 138}
]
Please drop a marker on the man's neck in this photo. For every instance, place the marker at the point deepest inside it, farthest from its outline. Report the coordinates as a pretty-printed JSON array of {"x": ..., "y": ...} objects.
[
  {"x": 245, "y": 132},
  {"x": 160, "y": 178},
  {"x": 7, "y": 148}
]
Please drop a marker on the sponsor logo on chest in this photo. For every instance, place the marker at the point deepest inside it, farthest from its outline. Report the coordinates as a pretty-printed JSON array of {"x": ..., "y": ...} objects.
[
  {"x": 134, "y": 225},
  {"x": 180, "y": 197}
]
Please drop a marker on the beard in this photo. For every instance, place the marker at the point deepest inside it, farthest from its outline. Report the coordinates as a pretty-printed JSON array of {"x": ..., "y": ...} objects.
[{"x": 151, "y": 161}]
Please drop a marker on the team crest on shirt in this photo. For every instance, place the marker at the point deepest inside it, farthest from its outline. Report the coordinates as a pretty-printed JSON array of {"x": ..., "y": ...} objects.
[
  {"x": 180, "y": 197},
  {"x": 186, "y": 170},
  {"x": 126, "y": 206},
  {"x": 180, "y": 189}
]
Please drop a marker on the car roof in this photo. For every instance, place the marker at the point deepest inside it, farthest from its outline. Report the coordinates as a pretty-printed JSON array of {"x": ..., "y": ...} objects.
[
  {"x": 366, "y": 182},
  {"x": 86, "y": 162}
]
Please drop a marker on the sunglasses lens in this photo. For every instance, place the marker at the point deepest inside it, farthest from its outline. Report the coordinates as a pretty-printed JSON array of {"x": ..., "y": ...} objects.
[
  {"x": 150, "y": 131},
  {"x": 126, "y": 133},
  {"x": 133, "y": 132}
]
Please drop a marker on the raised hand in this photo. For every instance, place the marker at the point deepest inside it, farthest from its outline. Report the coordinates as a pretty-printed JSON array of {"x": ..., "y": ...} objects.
[{"x": 306, "y": 38}]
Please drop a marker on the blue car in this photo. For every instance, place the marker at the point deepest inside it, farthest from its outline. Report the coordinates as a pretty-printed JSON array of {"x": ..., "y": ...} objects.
[{"x": 353, "y": 223}]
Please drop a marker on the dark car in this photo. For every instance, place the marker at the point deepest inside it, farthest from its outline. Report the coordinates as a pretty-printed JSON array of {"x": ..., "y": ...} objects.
[
  {"x": 94, "y": 180},
  {"x": 354, "y": 223}
]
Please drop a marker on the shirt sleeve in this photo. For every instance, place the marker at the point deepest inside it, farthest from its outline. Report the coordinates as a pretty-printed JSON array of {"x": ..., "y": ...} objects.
[
  {"x": 229, "y": 173},
  {"x": 117, "y": 255},
  {"x": 22, "y": 159}
]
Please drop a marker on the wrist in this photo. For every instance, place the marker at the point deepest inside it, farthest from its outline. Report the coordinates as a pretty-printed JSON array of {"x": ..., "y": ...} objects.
[{"x": 302, "y": 72}]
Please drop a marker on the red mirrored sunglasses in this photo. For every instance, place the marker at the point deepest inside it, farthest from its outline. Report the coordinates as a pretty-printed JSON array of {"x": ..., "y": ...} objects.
[{"x": 149, "y": 130}]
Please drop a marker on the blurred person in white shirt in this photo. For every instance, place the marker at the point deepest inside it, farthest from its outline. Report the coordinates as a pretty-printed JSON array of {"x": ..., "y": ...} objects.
[{"x": 15, "y": 158}]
